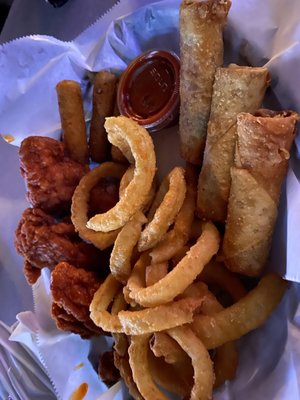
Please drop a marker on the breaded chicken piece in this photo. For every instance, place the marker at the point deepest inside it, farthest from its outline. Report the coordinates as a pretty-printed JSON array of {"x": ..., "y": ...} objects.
[
  {"x": 51, "y": 176},
  {"x": 44, "y": 242},
  {"x": 72, "y": 291}
]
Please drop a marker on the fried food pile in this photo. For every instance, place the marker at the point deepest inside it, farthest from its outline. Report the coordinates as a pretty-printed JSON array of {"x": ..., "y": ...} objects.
[
  {"x": 162, "y": 300},
  {"x": 161, "y": 267}
]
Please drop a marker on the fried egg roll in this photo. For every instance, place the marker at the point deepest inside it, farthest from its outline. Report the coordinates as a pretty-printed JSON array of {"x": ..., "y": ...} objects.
[
  {"x": 104, "y": 94},
  {"x": 262, "y": 150},
  {"x": 70, "y": 104},
  {"x": 201, "y": 52},
  {"x": 236, "y": 89}
]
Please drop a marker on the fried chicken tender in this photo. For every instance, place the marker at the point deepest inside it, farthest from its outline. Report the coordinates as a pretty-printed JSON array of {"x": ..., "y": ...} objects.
[
  {"x": 72, "y": 291},
  {"x": 44, "y": 242},
  {"x": 51, "y": 176}
]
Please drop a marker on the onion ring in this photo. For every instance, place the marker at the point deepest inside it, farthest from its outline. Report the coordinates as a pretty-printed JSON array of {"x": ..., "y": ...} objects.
[
  {"x": 142, "y": 321},
  {"x": 155, "y": 272},
  {"x": 217, "y": 274},
  {"x": 122, "y": 363},
  {"x": 172, "y": 377},
  {"x": 138, "y": 360},
  {"x": 121, "y": 342},
  {"x": 126, "y": 179},
  {"x": 101, "y": 300},
  {"x": 126, "y": 240},
  {"x": 159, "y": 318},
  {"x": 162, "y": 345},
  {"x": 226, "y": 357},
  {"x": 183, "y": 274},
  {"x": 225, "y": 363},
  {"x": 177, "y": 237},
  {"x": 242, "y": 317},
  {"x": 80, "y": 199},
  {"x": 202, "y": 364},
  {"x": 122, "y": 129},
  {"x": 166, "y": 212}
]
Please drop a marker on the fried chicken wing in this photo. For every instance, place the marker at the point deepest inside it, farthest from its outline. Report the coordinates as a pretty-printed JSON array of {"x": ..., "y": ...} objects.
[
  {"x": 72, "y": 291},
  {"x": 44, "y": 242},
  {"x": 51, "y": 176}
]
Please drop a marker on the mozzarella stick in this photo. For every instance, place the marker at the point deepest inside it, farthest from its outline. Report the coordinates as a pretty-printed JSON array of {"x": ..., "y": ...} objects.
[
  {"x": 261, "y": 161},
  {"x": 104, "y": 94},
  {"x": 236, "y": 89},
  {"x": 201, "y": 52},
  {"x": 71, "y": 111}
]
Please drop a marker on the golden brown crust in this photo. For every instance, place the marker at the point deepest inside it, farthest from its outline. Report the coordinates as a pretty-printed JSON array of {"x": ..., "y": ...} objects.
[
  {"x": 201, "y": 52},
  {"x": 249, "y": 227},
  {"x": 104, "y": 94},
  {"x": 261, "y": 161},
  {"x": 264, "y": 141},
  {"x": 72, "y": 120},
  {"x": 236, "y": 89}
]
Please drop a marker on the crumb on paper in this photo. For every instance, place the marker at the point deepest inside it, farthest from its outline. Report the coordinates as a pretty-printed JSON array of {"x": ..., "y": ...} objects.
[{"x": 8, "y": 138}]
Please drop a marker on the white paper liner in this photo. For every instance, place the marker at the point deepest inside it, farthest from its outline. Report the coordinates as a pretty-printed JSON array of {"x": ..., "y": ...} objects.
[{"x": 257, "y": 33}]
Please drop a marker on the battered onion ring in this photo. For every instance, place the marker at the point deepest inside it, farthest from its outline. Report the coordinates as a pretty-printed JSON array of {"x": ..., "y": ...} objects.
[
  {"x": 177, "y": 237},
  {"x": 101, "y": 300},
  {"x": 121, "y": 342},
  {"x": 125, "y": 242},
  {"x": 202, "y": 364},
  {"x": 225, "y": 363},
  {"x": 155, "y": 272},
  {"x": 242, "y": 317},
  {"x": 158, "y": 318},
  {"x": 183, "y": 274},
  {"x": 138, "y": 360},
  {"x": 226, "y": 357},
  {"x": 122, "y": 130},
  {"x": 126, "y": 179},
  {"x": 166, "y": 212},
  {"x": 162, "y": 345},
  {"x": 215, "y": 273},
  {"x": 174, "y": 378},
  {"x": 122, "y": 363},
  {"x": 80, "y": 199},
  {"x": 139, "y": 322}
]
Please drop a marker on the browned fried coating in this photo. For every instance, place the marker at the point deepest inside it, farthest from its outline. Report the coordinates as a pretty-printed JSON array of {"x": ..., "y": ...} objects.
[
  {"x": 51, "y": 176},
  {"x": 73, "y": 289},
  {"x": 66, "y": 322},
  {"x": 108, "y": 373},
  {"x": 44, "y": 242},
  {"x": 31, "y": 273}
]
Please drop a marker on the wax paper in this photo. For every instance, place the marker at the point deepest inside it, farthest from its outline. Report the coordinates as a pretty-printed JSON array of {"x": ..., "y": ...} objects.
[{"x": 257, "y": 33}]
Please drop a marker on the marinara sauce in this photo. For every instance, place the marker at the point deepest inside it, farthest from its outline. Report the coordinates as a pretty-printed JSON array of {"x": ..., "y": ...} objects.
[{"x": 148, "y": 91}]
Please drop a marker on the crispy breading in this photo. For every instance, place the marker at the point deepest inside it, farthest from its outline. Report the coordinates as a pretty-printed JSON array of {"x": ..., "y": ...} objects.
[
  {"x": 51, "y": 176},
  {"x": 44, "y": 242}
]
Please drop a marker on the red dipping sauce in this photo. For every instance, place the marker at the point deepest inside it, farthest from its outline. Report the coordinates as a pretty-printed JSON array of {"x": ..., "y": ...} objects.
[{"x": 148, "y": 91}]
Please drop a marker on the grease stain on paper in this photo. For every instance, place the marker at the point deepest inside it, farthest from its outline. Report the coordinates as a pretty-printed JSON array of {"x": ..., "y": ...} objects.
[{"x": 80, "y": 392}]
